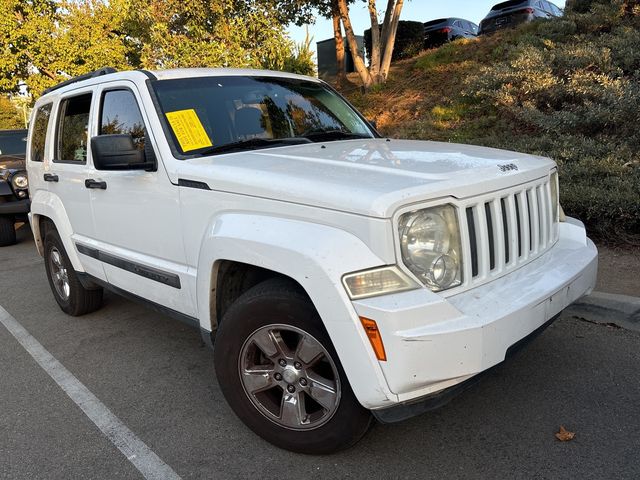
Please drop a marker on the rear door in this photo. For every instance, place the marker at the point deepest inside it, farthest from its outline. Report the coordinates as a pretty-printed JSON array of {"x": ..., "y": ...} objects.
[
  {"x": 137, "y": 213},
  {"x": 67, "y": 171}
]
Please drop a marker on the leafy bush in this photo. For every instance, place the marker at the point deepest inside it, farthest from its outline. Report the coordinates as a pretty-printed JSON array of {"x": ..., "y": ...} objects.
[
  {"x": 409, "y": 40},
  {"x": 570, "y": 89}
]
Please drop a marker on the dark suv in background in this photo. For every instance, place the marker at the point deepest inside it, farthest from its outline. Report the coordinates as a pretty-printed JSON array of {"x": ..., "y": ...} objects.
[
  {"x": 443, "y": 30},
  {"x": 14, "y": 186},
  {"x": 514, "y": 12}
]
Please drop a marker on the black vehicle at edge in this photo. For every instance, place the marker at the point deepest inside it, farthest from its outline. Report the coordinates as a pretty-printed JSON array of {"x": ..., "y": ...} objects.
[
  {"x": 443, "y": 30},
  {"x": 515, "y": 12},
  {"x": 14, "y": 186}
]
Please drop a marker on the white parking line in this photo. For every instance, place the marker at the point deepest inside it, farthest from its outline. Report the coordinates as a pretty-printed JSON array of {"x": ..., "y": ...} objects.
[{"x": 134, "y": 449}]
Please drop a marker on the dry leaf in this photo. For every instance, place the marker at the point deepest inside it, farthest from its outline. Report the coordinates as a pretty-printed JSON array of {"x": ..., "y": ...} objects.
[{"x": 565, "y": 435}]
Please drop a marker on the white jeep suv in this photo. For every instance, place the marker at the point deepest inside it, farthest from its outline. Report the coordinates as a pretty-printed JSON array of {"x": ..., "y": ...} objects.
[{"x": 339, "y": 276}]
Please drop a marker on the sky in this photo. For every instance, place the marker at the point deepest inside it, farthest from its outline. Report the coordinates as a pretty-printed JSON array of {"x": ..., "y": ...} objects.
[{"x": 417, "y": 10}]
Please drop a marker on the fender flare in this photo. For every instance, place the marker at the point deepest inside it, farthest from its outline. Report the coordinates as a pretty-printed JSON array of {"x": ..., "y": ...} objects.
[
  {"x": 314, "y": 255},
  {"x": 46, "y": 204}
]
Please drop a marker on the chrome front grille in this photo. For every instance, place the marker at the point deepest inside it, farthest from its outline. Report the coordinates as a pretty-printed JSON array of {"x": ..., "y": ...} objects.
[{"x": 505, "y": 230}]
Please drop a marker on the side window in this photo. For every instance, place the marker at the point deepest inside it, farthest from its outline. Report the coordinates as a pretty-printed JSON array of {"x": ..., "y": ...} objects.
[
  {"x": 457, "y": 24},
  {"x": 72, "y": 129},
  {"x": 39, "y": 135},
  {"x": 119, "y": 114}
]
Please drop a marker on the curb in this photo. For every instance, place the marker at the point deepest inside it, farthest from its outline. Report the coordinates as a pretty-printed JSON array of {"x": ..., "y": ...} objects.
[{"x": 608, "y": 308}]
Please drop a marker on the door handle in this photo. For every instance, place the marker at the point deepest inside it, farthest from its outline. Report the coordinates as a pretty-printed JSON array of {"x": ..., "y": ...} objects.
[
  {"x": 50, "y": 177},
  {"x": 91, "y": 183}
]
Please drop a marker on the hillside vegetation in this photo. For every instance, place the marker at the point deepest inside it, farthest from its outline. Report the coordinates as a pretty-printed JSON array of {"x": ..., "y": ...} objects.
[{"x": 567, "y": 88}]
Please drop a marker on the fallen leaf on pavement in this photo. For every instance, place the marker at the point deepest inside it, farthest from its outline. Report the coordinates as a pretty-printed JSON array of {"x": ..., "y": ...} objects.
[{"x": 565, "y": 435}]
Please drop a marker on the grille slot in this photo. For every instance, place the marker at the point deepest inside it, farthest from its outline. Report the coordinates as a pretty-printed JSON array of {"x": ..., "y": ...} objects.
[
  {"x": 507, "y": 230},
  {"x": 473, "y": 245}
]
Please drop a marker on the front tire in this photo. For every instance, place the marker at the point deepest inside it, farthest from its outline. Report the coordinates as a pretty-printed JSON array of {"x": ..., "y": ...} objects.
[
  {"x": 281, "y": 375},
  {"x": 7, "y": 230},
  {"x": 73, "y": 298}
]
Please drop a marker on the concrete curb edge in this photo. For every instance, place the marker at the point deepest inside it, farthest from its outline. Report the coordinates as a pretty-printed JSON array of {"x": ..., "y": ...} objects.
[{"x": 608, "y": 308}]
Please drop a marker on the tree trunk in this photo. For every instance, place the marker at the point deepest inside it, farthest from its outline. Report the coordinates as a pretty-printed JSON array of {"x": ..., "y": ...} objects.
[
  {"x": 339, "y": 40},
  {"x": 374, "y": 66},
  {"x": 358, "y": 62},
  {"x": 390, "y": 39}
]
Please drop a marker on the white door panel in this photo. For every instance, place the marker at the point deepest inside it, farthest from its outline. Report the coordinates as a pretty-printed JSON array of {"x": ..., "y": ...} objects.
[
  {"x": 70, "y": 167},
  {"x": 137, "y": 215}
]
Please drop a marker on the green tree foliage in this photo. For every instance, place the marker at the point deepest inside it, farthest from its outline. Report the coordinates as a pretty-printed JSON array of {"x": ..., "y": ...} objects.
[
  {"x": 10, "y": 117},
  {"x": 46, "y": 41}
]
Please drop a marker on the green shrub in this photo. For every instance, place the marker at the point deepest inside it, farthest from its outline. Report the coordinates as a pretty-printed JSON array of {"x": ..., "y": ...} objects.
[{"x": 570, "y": 90}]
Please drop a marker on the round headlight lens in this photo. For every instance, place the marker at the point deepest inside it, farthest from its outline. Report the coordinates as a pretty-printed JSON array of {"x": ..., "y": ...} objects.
[
  {"x": 430, "y": 244},
  {"x": 20, "y": 181}
]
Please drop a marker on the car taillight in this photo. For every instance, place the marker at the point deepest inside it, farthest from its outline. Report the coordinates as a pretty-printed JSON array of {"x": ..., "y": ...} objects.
[
  {"x": 445, "y": 30},
  {"x": 527, "y": 10}
]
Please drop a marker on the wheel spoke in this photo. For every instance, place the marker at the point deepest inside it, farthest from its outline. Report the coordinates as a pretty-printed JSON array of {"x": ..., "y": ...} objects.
[
  {"x": 55, "y": 256},
  {"x": 265, "y": 342},
  {"x": 258, "y": 379},
  {"x": 292, "y": 411},
  {"x": 271, "y": 344},
  {"x": 309, "y": 350},
  {"x": 322, "y": 390}
]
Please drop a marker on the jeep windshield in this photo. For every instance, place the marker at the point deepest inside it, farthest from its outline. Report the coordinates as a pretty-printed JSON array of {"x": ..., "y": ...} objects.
[{"x": 222, "y": 114}]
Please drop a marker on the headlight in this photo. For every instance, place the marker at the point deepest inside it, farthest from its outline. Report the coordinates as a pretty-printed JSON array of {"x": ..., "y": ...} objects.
[
  {"x": 430, "y": 246},
  {"x": 555, "y": 198},
  {"x": 379, "y": 281},
  {"x": 20, "y": 181}
]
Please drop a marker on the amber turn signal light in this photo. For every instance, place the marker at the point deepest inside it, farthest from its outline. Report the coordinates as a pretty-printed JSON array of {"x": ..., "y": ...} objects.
[{"x": 375, "y": 338}]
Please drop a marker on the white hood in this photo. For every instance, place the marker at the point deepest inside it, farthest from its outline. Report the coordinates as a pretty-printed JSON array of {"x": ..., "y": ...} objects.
[{"x": 372, "y": 177}]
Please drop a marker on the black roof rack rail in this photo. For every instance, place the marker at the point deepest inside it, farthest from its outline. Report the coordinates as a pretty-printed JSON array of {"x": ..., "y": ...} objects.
[{"x": 79, "y": 78}]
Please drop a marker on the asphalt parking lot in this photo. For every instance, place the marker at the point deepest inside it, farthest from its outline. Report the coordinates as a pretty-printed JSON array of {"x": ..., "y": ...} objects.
[{"x": 154, "y": 374}]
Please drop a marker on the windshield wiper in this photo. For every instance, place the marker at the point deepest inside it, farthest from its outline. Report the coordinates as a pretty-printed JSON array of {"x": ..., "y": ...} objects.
[
  {"x": 253, "y": 143},
  {"x": 326, "y": 135}
]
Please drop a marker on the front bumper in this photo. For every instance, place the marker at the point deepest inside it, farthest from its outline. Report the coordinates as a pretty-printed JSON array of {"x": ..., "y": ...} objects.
[
  {"x": 15, "y": 207},
  {"x": 434, "y": 343}
]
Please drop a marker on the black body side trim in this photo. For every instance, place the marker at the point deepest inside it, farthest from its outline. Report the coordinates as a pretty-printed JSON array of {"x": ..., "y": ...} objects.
[
  {"x": 15, "y": 207},
  {"x": 404, "y": 411},
  {"x": 151, "y": 273},
  {"x": 193, "y": 184},
  {"x": 89, "y": 281}
]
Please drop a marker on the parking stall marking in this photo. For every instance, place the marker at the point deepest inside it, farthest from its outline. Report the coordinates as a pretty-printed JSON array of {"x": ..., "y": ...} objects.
[{"x": 135, "y": 450}]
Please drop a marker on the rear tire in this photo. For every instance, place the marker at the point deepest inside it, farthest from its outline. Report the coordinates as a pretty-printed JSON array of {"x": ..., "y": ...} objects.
[
  {"x": 280, "y": 373},
  {"x": 7, "y": 230},
  {"x": 73, "y": 298}
]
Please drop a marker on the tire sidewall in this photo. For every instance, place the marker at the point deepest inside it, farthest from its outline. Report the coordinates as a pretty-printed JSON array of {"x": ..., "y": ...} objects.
[
  {"x": 51, "y": 240},
  {"x": 349, "y": 422},
  {"x": 7, "y": 230}
]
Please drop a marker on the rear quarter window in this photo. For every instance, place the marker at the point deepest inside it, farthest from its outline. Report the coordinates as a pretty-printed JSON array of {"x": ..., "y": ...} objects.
[{"x": 39, "y": 133}]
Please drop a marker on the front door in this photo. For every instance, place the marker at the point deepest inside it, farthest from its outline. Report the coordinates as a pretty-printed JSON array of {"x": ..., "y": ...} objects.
[{"x": 137, "y": 212}]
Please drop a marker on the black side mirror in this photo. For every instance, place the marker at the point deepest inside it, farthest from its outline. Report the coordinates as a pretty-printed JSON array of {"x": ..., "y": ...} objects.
[{"x": 118, "y": 152}]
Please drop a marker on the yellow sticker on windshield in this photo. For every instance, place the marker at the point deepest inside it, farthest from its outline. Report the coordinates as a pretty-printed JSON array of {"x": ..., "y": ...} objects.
[{"x": 188, "y": 130}]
